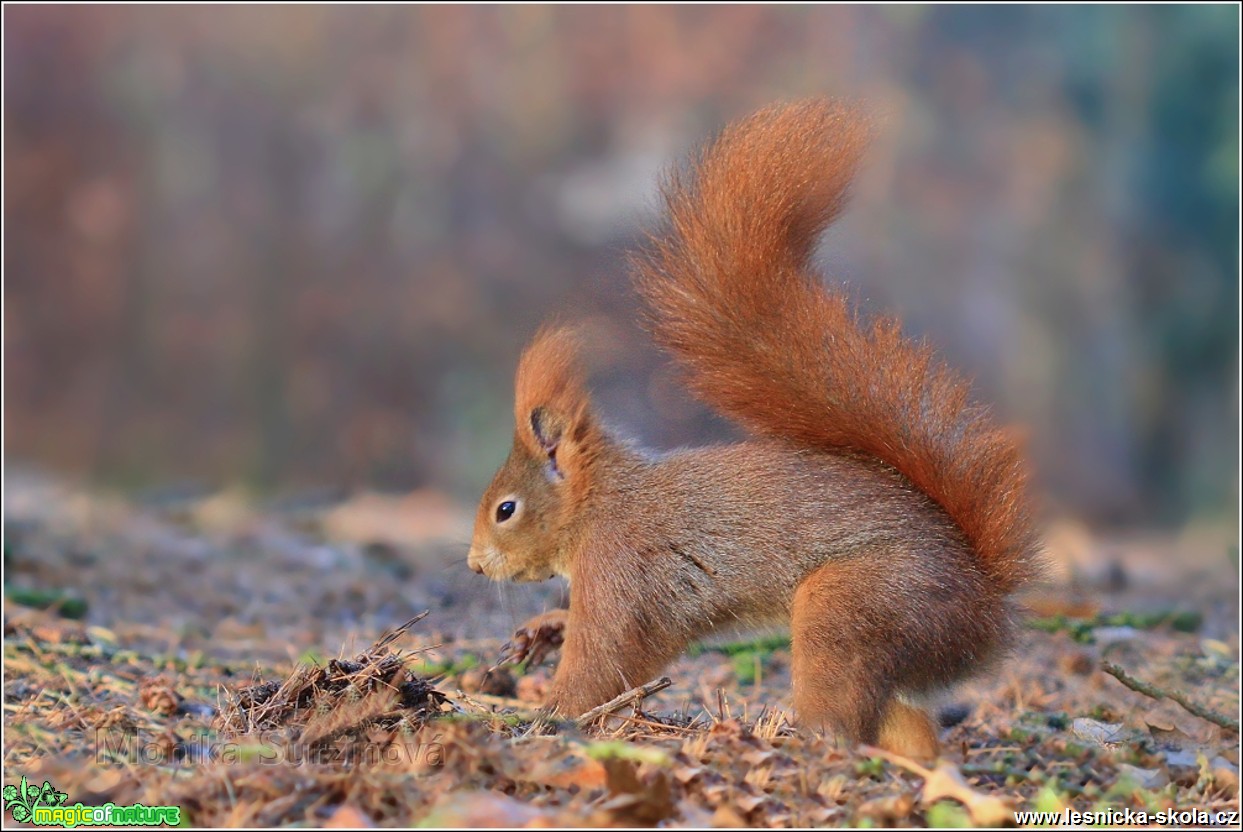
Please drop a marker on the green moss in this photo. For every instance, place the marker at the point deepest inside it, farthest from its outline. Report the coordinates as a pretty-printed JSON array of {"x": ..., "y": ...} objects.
[
  {"x": 1082, "y": 629},
  {"x": 745, "y": 666},
  {"x": 873, "y": 767},
  {"x": 311, "y": 657},
  {"x": 1074, "y": 750},
  {"x": 946, "y": 814},
  {"x": 447, "y": 667},
  {"x": 618, "y": 750},
  {"x": 1078, "y": 629},
  {"x": 1102, "y": 713},
  {"x": 1021, "y": 735},
  {"x": 763, "y": 645},
  {"x": 252, "y": 752},
  {"x": 1049, "y": 800},
  {"x": 57, "y": 600}
]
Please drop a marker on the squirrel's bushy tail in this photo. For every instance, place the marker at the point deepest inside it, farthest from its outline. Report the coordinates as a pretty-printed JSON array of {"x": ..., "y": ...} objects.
[{"x": 731, "y": 294}]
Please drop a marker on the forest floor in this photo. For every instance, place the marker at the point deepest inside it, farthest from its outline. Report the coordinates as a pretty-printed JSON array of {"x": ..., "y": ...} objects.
[{"x": 191, "y": 650}]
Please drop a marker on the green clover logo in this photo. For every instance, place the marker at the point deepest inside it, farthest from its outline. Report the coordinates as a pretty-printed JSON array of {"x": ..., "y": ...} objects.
[{"x": 22, "y": 799}]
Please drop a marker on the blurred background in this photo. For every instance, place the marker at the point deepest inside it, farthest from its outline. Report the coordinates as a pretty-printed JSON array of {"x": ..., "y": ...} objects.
[{"x": 296, "y": 248}]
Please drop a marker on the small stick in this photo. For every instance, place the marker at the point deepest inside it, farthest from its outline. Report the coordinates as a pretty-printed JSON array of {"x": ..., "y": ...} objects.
[
  {"x": 1177, "y": 696},
  {"x": 622, "y": 701},
  {"x": 478, "y": 702},
  {"x": 647, "y": 723}
]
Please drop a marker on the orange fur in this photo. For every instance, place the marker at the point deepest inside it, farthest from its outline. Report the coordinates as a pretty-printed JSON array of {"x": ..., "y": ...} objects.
[
  {"x": 879, "y": 512},
  {"x": 549, "y": 377},
  {"x": 909, "y": 731},
  {"x": 731, "y": 295}
]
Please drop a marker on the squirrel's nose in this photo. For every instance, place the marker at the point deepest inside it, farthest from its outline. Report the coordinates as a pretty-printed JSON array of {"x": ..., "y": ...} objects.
[{"x": 476, "y": 567}]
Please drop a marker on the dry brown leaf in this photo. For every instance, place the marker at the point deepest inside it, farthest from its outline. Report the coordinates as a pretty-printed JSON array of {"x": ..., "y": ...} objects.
[
  {"x": 1225, "y": 776},
  {"x": 687, "y": 774},
  {"x": 570, "y": 770},
  {"x": 759, "y": 756},
  {"x": 727, "y": 817},
  {"x": 348, "y": 816},
  {"x": 889, "y": 808},
  {"x": 482, "y": 809},
  {"x": 642, "y": 794}
]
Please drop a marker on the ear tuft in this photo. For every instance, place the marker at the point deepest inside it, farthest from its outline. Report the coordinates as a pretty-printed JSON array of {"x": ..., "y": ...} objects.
[{"x": 550, "y": 395}]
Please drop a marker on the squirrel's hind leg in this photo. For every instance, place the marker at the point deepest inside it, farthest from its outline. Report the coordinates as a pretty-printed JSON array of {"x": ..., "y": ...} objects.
[{"x": 846, "y": 659}]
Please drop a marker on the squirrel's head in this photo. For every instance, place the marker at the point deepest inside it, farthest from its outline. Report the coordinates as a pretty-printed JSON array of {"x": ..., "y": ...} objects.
[{"x": 522, "y": 518}]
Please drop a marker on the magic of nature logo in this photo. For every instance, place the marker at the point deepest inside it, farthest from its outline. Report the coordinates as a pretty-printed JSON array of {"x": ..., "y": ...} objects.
[{"x": 45, "y": 806}]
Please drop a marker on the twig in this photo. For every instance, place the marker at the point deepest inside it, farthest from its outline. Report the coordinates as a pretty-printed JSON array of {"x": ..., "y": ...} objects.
[
  {"x": 652, "y": 724},
  {"x": 622, "y": 701},
  {"x": 896, "y": 759},
  {"x": 392, "y": 635},
  {"x": 1177, "y": 696},
  {"x": 478, "y": 701}
]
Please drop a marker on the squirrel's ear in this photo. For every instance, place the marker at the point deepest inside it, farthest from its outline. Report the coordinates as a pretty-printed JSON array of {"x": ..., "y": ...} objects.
[
  {"x": 545, "y": 429},
  {"x": 551, "y": 404}
]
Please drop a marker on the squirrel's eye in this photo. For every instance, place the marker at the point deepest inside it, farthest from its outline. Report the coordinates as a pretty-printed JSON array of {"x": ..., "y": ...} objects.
[{"x": 505, "y": 511}]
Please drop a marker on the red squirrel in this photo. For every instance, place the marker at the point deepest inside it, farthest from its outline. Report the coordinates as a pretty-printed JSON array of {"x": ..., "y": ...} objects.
[{"x": 877, "y": 511}]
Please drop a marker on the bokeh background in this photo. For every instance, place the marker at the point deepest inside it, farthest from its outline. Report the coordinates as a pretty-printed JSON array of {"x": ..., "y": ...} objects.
[{"x": 292, "y": 248}]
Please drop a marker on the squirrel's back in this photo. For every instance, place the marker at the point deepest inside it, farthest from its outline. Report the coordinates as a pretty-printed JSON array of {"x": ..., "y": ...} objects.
[{"x": 731, "y": 294}]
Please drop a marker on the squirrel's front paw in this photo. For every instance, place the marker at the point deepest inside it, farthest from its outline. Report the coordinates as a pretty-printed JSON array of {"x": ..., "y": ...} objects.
[{"x": 535, "y": 639}]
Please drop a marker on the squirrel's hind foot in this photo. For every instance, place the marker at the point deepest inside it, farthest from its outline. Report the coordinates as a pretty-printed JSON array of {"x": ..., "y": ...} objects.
[{"x": 908, "y": 730}]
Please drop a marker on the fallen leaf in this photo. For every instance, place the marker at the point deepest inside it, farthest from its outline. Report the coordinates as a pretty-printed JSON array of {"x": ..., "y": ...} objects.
[
  {"x": 727, "y": 817},
  {"x": 484, "y": 809},
  {"x": 748, "y": 803},
  {"x": 947, "y": 781},
  {"x": 687, "y": 774},
  {"x": 570, "y": 770},
  {"x": 1106, "y": 734},
  {"x": 888, "y": 809},
  {"x": 348, "y": 816},
  {"x": 643, "y": 794},
  {"x": 1225, "y": 776}
]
